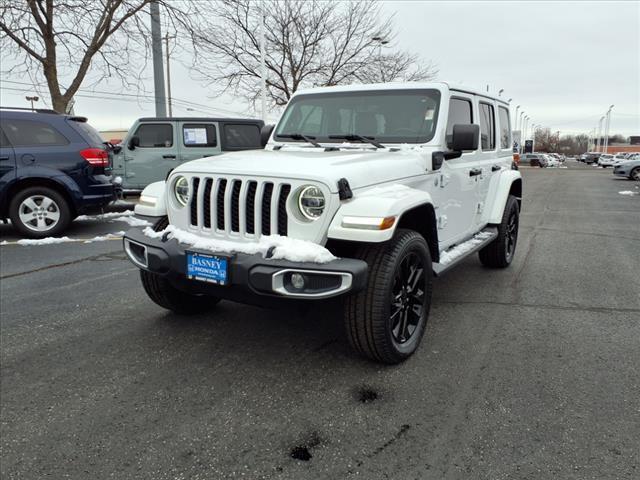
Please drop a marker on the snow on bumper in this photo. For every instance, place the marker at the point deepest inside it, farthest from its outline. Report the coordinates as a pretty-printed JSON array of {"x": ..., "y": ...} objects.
[{"x": 273, "y": 267}]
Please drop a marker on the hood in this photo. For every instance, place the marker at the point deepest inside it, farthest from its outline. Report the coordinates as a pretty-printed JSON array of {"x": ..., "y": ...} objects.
[{"x": 360, "y": 167}]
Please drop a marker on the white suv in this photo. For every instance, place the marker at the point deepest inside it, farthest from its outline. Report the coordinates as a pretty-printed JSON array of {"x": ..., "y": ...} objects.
[{"x": 362, "y": 193}]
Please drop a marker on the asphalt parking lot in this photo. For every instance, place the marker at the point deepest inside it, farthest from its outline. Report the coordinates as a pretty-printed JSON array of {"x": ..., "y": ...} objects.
[{"x": 529, "y": 373}]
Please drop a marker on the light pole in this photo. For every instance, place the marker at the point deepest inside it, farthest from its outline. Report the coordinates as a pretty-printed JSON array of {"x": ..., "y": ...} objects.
[
  {"x": 32, "y": 99},
  {"x": 606, "y": 134},
  {"x": 500, "y": 92},
  {"x": 166, "y": 38},
  {"x": 380, "y": 41},
  {"x": 521, "y": 119},
  {"x": 598, "y": 140}
]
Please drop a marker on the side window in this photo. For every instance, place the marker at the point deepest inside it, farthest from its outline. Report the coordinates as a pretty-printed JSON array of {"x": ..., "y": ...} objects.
[
  {"x": 22, "y": 133},
  {"x": 459, "y": 113},
  {"x": 242, "y": 136},
  {"x": 505, "y": 128},
  {"x": 487, "y": 127},
  {"x": 155, "y": 135},
  {"x": 4, "y": 141},
  {"x": 199, "y": 135}
]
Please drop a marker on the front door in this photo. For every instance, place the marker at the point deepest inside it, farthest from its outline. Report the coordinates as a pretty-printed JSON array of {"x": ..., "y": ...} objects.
[
  {"x": 457, "y": 180},
  {"x": 156, "y": 154}
]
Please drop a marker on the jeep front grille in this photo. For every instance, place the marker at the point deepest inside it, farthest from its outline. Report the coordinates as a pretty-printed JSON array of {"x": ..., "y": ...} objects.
[{"x": 243, "y": 207}]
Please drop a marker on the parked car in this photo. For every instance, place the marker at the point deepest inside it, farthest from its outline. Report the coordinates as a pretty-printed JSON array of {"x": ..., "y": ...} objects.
[
  {"x": 606, "y": 160},
  {"x": 592, "y": 157},
  {"x": 341, "y": 203},
  {"x": 534, "y": 159},
  {"x": 155, "y": 146},
  {"x": 52, "y": 168},
  {"x": 630, "y": 169},
  {"x": 552, "y": 160}
]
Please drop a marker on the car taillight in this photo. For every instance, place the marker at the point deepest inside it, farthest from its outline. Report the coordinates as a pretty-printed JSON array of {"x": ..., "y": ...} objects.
[
  {"x": 96, "y": 157},
  {"x": 516, "y": 158}
]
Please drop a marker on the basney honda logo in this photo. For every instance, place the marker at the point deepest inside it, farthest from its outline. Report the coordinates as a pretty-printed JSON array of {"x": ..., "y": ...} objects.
[{"x": 206, "y": 262}]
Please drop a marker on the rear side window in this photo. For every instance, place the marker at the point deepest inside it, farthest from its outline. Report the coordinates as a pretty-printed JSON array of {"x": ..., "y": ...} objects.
[
  {"x": 87, "y": 132},
  {"x": 487, "y": 127},
  {"x": 158, "y": 135},
  {"x": 22, "y": 133},
  {"x": 199, "y": 135},
  {"x": 242, "y": 136},
  {"x": 4, "y": 141},
  {"x": 505, "y": 128},
  {"x": 459, "y": 113}
]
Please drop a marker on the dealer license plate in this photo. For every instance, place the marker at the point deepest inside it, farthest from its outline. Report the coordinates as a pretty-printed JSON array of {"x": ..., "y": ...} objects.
[{"x": 207, "y": 268}]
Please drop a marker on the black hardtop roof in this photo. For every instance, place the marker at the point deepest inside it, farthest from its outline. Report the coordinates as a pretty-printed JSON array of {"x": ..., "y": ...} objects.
[{"x": 200, "y": 119}]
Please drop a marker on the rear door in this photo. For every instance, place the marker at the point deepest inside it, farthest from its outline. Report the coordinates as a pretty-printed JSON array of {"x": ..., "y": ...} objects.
[
  {"x": 198, "y": 140},
  {"x": 156, "y": 154}
]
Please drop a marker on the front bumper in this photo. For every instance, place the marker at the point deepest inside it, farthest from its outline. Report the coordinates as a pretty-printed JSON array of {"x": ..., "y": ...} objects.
[
  {"x": 251, "y": 278},
  {"x": 623, "y": 171}
]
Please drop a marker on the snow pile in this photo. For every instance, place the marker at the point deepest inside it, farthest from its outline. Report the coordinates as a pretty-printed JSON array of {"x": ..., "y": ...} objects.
[
  {"x": 450, "y": 255},
  {"x": 108, "y": 236},
  {"x": 283, "y": 248},
  {"x": 126, "y": 213},
  {"x": 133, "y": 221},
  {"x": 44, "y": 241},
  {"x": 629, "y": 192}
]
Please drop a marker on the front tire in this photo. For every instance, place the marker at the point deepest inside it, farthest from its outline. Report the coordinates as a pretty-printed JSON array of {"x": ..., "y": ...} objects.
[
  {"x": 500, "y": 252},
  {"x": 386, "y": 321},
  {"x": 635, "y": 174},
  {"x": 39, "y": 212},
  {"x": 167, "y": 296}
]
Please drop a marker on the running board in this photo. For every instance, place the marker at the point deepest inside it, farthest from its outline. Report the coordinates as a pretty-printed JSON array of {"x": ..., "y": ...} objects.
[{"x": 454, "y": 255}]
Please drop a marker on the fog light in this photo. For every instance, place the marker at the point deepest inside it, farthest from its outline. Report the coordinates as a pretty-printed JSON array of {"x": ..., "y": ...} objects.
[{"x": 297, "y": 281}]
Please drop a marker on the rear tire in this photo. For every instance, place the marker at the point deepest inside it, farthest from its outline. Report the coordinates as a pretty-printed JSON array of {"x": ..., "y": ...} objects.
[
  {"x": 500, "y": 252},
  {"x": 635, "y": 174},
  {"x": 167, "y": 296},
  {"x": 39, "y": 212},
  {"x": 386, "y": 321}
]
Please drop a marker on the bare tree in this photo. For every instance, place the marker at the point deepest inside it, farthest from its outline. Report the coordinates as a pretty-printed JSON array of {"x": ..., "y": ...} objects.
[
  {"x": 307, "y": 43},
  {"x": 79, "y": 40}
]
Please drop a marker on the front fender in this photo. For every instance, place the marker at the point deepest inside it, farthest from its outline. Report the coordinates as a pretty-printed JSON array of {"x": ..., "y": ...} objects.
[
  {"x": 499, "y": 192},
  {"x": 382, "y": 202},
  {"x": 152, "y": 201}
]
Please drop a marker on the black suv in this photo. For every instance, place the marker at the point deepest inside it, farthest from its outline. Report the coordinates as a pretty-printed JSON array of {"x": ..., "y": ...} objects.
[{"x": 52, "y": 168}]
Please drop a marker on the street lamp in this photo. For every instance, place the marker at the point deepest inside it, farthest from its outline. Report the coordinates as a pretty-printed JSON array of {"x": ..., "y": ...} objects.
[
  {"x": 521, "y": 119},
  {"x": 607, "y": 123},
  {"x": 598, "y": 140},
  {"x": 32, "y": 99},
  {"x": 380, "y": 40},
  {"x": 500, "y": 92}
]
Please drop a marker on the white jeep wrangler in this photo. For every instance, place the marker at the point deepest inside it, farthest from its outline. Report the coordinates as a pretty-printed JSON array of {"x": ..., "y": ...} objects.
[{"x": 362, "y": 193}]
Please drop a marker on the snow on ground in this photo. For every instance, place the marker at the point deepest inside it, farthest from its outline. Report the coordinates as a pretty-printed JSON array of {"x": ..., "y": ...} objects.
[
  {"x": 284, "y": 248},
  {"x": 108, "y": 236},
  {"x": 44, "y": 241},
  {"x": 629, "y": 192},
  {"x": 104, "y": 216},
  {"x": 450, "y": 255},
  {"x": 133, "y": 221}
]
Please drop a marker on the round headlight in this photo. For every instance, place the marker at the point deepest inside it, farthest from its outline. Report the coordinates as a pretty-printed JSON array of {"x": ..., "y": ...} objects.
[
  {"x": 311, "y": 202},
  {"x": 181, "y": 190}
]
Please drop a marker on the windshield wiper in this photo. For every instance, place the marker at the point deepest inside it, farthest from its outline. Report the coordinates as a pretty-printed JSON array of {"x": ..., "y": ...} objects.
[
  {"x": 298, "y": 136},
  {"x": 361, "y": 138}
]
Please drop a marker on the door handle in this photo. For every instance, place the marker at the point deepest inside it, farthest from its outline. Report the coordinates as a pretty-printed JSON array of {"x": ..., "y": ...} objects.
[
  {"x": 168, "y": 156},
  {"x": 474, "y": 172},
  {"x": 495, "y": 168}
]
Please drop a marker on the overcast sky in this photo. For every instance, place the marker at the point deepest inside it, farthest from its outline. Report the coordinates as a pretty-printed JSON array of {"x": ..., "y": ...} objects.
[{"x": 563, "y": 62}]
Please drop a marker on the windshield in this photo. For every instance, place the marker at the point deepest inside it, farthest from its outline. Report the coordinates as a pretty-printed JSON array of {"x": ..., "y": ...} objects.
[{"x": 388, "y": 116}]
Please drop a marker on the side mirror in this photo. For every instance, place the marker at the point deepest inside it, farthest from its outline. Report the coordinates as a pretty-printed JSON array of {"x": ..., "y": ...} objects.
[
  {"x": 465, "y": 137},
  {"x": 116, "y": 149},
  {"x": 265, "y": 134},
  {"x": 133, "y": 142}
]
